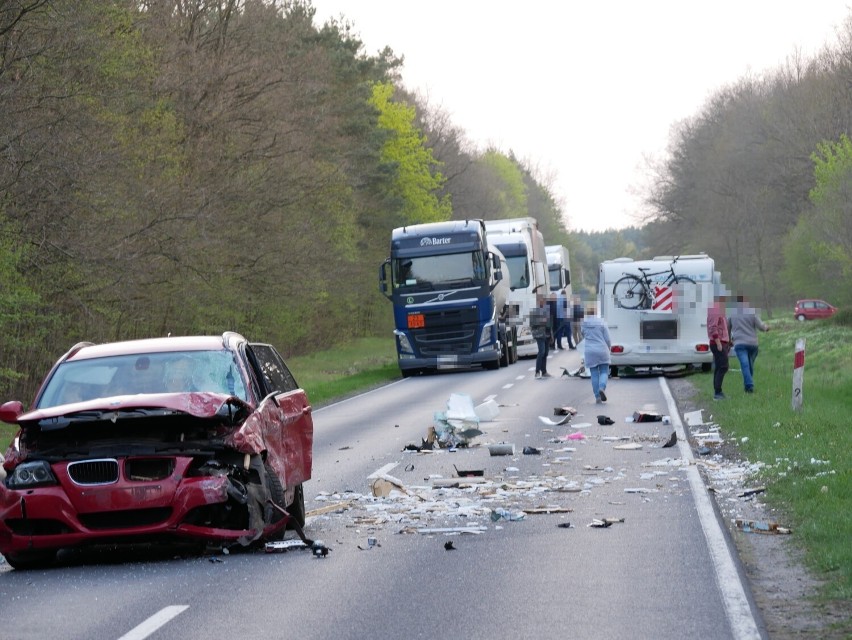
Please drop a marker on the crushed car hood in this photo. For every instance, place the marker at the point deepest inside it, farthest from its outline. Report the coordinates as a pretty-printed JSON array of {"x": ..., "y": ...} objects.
[
  {"x": 200, "y": 405},
  {"x": 133, "y": 423}
]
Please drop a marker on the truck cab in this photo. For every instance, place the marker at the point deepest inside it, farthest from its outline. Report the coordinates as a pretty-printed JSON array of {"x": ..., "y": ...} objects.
[
  {"x": 520, "y": 240},
  {"x": 448, "y": 293}
]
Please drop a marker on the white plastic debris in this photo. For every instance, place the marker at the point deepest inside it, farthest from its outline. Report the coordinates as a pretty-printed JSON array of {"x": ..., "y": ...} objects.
[
  {"x": 693, "y": 418},
  {"x": 487, "y": 411}
]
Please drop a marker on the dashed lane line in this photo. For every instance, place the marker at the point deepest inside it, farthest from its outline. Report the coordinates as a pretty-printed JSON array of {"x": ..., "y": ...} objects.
[{"x": 149, "y": 626}]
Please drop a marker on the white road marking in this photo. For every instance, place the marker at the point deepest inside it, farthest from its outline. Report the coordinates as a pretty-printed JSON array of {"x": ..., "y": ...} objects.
[
  {"x": 154, "y": 622},
  {"x": 508, "y": 386},
  {"x": 740, "y": 617},
  {"x": 378, "y": 473},
  {"x": 490, "y": 398},
  {"x": 520, "y": 377},
  {"x": 328, "y": 406}
]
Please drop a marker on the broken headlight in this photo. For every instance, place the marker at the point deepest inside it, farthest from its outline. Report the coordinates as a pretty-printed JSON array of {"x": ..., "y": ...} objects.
[{"x": 31, "y": 474}]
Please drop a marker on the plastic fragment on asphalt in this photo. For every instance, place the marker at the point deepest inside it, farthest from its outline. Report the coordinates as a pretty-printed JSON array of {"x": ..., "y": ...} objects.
[
  {"x": 547, "y": 510},
  {"x": 639, "y": 490},
  {"x": 501, "y": 449},
  {"x": 552, "y": 423},
  {"x": 487, "y": 411},
  {"x": 564, "y": 411},
  {"x": 449, "y": 530},
  {"x": 755, "y": 526},
  {"x": 281, "y": 546},
  {"x": 631, "y": 446}
]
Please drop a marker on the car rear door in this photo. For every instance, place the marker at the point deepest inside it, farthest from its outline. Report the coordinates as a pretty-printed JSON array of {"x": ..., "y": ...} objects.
[{"x": 288, "y": 429}]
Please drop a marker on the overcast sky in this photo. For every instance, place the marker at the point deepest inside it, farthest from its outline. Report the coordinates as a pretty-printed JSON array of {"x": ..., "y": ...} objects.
[{"x": 584, "y": 91}]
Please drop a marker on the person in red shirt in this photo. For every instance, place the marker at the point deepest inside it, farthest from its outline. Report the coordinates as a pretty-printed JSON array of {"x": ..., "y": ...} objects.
[{"x": 720, "y": 343}]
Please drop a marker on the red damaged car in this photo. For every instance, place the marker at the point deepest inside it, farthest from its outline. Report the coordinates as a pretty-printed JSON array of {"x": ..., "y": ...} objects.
[{"x": 205, "y": 438}]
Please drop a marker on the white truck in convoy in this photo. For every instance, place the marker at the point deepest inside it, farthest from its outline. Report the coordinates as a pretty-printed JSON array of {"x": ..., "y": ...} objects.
[
  {"x": 558, "y": 268},
  {"x": 656, "y": 311},
  {"x": 522, "y": 244}
]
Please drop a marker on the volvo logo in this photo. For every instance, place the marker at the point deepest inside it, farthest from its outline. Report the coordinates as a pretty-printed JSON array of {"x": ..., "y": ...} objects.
[{"x": 427, "y": 241}]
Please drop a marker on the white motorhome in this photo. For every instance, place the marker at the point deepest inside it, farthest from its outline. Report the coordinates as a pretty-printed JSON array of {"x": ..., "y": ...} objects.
[
  {"x": 670, "y": 326},
  {"x": 558, "y": 268},
  {"x": 520, "y": 241}
]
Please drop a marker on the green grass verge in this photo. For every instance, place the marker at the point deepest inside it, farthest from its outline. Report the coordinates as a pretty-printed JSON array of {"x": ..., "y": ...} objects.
[
  {"x": 806, "y": 453},
  {"x": 338, "y": 372}
]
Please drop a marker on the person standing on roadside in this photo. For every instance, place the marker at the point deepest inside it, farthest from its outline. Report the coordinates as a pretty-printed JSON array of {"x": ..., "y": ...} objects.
[
  {"x": 744, "y": 324},
  {"x": 720, "y": 343},
  {"x": 596, "y": 356},
  {"x": 577, "y": 315},
  {"x": 540, "y": 329}
]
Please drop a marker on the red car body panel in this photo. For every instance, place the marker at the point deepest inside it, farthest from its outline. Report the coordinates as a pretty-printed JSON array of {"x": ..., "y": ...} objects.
[{"x": 177, "y": 489}]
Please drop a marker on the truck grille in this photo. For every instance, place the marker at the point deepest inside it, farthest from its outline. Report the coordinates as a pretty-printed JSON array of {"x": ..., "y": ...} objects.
[{"x": 449, "y": 332}]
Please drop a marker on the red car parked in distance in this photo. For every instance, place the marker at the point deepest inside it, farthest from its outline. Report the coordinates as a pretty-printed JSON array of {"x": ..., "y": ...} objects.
[
  {"x": 813, "y": 310},
  {"x": 204, "y": 438}
]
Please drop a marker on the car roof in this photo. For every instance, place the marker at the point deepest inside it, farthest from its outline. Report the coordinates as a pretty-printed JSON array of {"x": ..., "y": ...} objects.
[{"x": 154, "y": 345}]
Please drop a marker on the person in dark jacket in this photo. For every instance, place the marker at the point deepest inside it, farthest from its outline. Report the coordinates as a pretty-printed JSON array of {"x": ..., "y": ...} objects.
[
  {"x": 540, "y": 328},
  {"x": 577, "y": 315}
]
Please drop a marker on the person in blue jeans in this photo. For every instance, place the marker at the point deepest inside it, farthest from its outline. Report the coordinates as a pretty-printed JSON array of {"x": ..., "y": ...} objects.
[
  {"x": 743, "y": 325},
  {"x": 596, "y": 356}
]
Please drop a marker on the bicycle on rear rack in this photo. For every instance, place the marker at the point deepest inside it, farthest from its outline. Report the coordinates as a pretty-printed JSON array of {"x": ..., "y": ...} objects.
[{"x": 637, "y": 291}]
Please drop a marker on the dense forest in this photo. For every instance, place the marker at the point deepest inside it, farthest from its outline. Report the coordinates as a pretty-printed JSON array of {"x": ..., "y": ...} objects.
[{"x": 194, "y": 166}]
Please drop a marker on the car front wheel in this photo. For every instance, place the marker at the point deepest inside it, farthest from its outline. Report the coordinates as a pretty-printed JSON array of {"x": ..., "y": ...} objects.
[{"x": 800, "y": 318}]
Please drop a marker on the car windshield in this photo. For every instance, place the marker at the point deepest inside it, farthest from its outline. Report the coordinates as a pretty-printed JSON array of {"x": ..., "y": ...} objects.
[{"x": 130, "y": 374}]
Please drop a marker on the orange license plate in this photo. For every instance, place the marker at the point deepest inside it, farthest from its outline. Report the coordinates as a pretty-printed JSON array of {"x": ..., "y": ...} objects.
[{"x": 416, "y": 321}]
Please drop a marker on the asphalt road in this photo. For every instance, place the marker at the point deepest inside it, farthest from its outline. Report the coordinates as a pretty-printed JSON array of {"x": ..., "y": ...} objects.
[{"x": 665, "y": 571}]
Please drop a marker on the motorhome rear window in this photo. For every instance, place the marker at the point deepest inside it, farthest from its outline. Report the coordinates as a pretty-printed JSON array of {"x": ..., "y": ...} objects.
[{"x": 658, "y": 330}]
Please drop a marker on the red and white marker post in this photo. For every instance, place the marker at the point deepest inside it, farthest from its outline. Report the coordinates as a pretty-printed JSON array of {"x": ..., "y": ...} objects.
[{"x": 798, "y": 374}]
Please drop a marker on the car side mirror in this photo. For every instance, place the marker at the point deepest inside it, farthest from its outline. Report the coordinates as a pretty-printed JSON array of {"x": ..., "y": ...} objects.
[{"x": 10, "y": 411}]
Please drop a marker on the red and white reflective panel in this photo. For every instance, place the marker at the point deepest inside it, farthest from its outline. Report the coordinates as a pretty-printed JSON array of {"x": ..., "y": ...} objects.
[{"x": 663, "y": 298}]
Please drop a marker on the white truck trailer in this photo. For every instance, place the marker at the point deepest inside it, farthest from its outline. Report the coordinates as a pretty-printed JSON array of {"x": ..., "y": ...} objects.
[
  {"x": 668, "y": 328},
  {"x": 520, "y": 241}
]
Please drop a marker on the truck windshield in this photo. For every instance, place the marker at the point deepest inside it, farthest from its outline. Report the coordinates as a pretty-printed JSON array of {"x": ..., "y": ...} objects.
[
  {"x": 519, "y": 271},
  {"x": 452, "y": 269},
  {"x": 555, "y": 277}
]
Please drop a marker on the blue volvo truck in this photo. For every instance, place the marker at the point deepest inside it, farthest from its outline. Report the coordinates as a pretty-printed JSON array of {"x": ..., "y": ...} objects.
[{"x": 448, "y": 290}]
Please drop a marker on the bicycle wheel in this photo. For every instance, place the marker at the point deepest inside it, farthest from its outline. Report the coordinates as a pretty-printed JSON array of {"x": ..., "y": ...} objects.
[
  {"x": 683, "y": 280},
  {"x": 629, "y": 293}
]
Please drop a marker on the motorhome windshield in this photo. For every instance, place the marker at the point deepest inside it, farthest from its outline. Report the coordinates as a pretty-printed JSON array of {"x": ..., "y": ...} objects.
[{"x": 446, "y": 269}]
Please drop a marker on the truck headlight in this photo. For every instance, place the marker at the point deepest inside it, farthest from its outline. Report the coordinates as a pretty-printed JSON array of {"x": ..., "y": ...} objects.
[
  {"x": 487, "y": 336},
  {"x": 31, "y": 474},
  {"x": 402, "y": 341}
]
